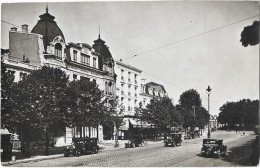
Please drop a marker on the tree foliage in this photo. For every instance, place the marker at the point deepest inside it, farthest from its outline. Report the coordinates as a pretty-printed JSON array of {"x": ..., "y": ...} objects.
[
  {"x": 250, "y": 34},
  {"x": 161, "y": 113},
  {"x": 190, "y": 99},
  {"x": 193, "y": 114},
  {"x": 6, "y": 102},
  {"x": 233, "y": 113},
  {"x": 85, "y": 103}
]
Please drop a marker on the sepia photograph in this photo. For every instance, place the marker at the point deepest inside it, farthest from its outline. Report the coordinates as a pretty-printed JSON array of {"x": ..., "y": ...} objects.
[{"x": 130, "y": 83}]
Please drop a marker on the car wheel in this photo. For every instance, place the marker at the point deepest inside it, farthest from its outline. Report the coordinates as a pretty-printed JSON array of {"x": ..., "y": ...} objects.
[
  {"x": 173, "y": 144},
  {"x": 66, "y": 154},
  {"x": 78, "y": 153},
  {"x": 95, "y": 150}
]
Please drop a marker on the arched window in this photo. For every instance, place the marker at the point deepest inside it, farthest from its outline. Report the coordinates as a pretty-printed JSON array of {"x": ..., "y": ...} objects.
[{"x": 58, "y": 51}]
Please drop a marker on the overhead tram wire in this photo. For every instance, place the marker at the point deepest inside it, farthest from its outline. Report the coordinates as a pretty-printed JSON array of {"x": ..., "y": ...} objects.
[
  {"x": 174, "y": 85},
  {"x": 12, "y": 24},
  {"x": 191, "y": 37}
]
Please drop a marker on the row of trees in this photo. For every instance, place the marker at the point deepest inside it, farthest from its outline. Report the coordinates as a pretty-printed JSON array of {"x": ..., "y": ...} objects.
[
  {"x": 161, "y": 113},
  {"x": 46, "y": 98},
  {"x": 244, "y": 112}
]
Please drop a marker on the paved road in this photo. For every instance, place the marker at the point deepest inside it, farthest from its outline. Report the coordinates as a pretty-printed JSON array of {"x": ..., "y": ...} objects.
[{"x": 155, "y": 155}]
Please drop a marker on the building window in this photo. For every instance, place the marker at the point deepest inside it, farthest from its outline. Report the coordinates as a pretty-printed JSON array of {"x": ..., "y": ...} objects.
[
  {"x": 75, "y": 56},
  {"x": 88, "y": 60},
  {"x": 75, "y": 77},
  {"x": 95, "y": 62},
  {"x": 85, "y": 59},
  {"x": 129, "y": 79},
  {"x": 22, "y": 75},
  {"x": 84, "y": 78},
  {"x": 57, "y": 51},
  {"x": 122, "y": 74},
  {"x": 135, "y": 78}
]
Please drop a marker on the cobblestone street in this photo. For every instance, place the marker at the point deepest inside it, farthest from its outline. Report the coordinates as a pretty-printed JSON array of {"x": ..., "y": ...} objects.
[{"x": 153, "y": 155}]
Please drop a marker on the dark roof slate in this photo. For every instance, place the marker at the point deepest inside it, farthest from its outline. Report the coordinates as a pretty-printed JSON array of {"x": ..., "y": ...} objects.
[{"x": 47, "y": 27}]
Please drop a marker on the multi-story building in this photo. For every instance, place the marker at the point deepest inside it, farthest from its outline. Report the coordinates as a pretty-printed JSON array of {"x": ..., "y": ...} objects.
[
  {"x": 46, "y": 45},
  {"x": 151, "y": 90},
  {"x": 128, "y": 85}
]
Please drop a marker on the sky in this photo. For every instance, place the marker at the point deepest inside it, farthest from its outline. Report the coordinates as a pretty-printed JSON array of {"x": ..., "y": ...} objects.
[{"x": 180, "y": 44}]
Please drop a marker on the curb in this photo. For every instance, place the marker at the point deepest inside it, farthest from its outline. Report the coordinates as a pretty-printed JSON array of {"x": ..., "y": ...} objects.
[{"x": 31, "y": 160}]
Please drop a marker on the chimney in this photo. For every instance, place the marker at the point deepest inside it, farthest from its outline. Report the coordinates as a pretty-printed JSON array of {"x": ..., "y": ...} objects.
[
  {"x": 14, "y": 29},
  {"x": 25, "y": 28}
]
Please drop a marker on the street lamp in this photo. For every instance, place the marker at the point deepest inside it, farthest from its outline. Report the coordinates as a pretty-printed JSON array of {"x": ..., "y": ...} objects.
[{"x": 208, "y": 90}]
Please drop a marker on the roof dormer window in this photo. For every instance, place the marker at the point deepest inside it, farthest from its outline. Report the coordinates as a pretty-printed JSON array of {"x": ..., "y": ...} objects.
[{"x": 58, "y": 50}]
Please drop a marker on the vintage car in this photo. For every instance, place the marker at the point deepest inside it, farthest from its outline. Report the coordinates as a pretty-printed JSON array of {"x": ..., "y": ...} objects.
[
  {"x": 82, "y": 146},
  {"x": 136, "y": 140},
  {"x": 173, "y": 139},
  {"x": 213, "y": 148}
]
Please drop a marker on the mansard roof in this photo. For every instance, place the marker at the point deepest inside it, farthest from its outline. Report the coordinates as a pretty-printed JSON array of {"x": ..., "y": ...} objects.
[{"x": 47, "y": 27}]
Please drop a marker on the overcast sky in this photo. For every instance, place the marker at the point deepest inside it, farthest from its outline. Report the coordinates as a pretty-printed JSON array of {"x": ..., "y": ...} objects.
[{"x": 214, "y": 58}]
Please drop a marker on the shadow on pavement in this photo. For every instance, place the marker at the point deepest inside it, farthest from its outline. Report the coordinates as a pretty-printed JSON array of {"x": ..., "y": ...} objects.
[{"x": 246, "y": 155}]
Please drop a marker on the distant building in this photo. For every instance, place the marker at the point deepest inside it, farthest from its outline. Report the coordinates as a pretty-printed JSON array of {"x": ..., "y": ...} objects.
[
  {"x": 46, "y": 45},
  {"x": 213, "y": 121},
  {"x": 151, "y": 90}
]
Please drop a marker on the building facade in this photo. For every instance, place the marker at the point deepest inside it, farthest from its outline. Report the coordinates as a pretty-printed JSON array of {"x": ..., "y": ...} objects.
[
  {"x": 46, "y": 45},
  {"x": 151, "y": 90},
  {"x": 128, "y": 85}
]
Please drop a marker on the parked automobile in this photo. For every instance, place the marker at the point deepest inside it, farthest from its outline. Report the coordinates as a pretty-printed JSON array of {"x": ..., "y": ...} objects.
[
  {"x": 213, "y": 148},
  {"x": 136, "y": 140},
  {"x": 173, "y": 139},
  {"x": 82, "y": 146}
]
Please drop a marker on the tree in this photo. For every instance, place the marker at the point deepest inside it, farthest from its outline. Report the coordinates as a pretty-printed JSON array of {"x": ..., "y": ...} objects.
[
  {"x": 161, "y": 113},
  {"x": 250, "y": 34},
  {"x": 189, "y": 104},
  {"x": 38, "y": 102},
  {"x": 239, "y": 113},
  {"x": 202, "y": 117},
  {"x": 190, "y": 99},
  {"x": 85, "y": 104},
  {"x": 6, "y": 102},
  {"x": 115, "y": 116}
]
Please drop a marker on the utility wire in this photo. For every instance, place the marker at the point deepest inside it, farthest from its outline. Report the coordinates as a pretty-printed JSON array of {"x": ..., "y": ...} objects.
[
  {"x": 174, "y": 85},
  {"x": 12, "y": 24},
  {"x": 191, "y": 37}
]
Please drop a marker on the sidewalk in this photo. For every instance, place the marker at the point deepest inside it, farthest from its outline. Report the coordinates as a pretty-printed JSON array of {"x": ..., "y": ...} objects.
[{"x": 107, "y": 145}]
